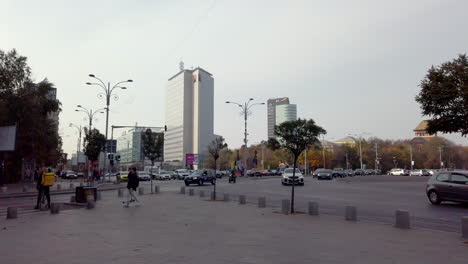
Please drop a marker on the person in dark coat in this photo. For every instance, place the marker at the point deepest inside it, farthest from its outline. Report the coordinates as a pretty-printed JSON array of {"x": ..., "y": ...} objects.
[{"x": 132, "y": 185}]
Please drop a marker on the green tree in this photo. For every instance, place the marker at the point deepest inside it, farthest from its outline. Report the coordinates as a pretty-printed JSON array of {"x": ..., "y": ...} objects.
[
  {"x": 95, "y": 143},
  {"x": 30, "y": 107},
  {"x": 152, "y": 148},
  {"x": 295, "y": 136},
  {"x": 214, "y": 149},
  {"x": 444, "y": 97}
]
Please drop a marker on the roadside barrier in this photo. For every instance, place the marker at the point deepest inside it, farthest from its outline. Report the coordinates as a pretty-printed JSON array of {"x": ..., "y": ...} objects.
[
  {"x": 12, "y": 213},
  {"x": 202, "y": 194},
  {"x": 55, "y": 208},
  {"x": 191, "y": 192},
  {"x": 313, "y": 208},
  {"x": 90, "y": 203},
  {"x": 261, "y": 202},
  {"x": 285, "y": 206},
  {"x": 402, "y": 219},
  {"x": 213, "y": 196},
  {"x": 120, "y": 192},
  {"x": 351, "y": 213},
  {"x": 182, "y": 190},
  {"x": 242, "y": 199},
  {"x": 156, "y": 189},
  {"x": 141, "y": 191}
]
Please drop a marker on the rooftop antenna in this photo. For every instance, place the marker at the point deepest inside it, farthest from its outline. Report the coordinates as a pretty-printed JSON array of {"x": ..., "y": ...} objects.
[{"x": 181, "y": 65}]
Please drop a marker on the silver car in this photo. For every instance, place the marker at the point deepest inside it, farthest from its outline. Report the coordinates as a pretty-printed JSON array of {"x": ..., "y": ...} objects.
[{"x": 448, "y": 186}]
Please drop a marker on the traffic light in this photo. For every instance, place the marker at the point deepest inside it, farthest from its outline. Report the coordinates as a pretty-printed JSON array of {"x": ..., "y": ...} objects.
[
  {"x": 117, "y": 157},
  {"x": 110, "y": 156}
]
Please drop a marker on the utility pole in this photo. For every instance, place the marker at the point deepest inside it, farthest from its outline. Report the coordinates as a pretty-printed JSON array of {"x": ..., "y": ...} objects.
[
  {"x": 323, "y": 152},
  {"x": 376, "y": 156},
  {"x": 411, "y": 155},
  {"x": 440, "y": 158}
]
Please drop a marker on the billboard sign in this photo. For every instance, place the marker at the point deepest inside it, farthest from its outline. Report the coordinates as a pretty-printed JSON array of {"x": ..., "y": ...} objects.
[
  {"x": 191, "y": 159},
  {"x": 7, "y": 138}
]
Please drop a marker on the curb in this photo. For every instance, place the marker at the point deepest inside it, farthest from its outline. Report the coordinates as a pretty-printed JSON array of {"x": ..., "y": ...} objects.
[{"x": 34, "y": 194}]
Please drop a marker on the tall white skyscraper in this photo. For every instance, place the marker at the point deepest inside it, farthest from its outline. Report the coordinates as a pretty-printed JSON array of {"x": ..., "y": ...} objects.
[{"x": 189, "y": 115}]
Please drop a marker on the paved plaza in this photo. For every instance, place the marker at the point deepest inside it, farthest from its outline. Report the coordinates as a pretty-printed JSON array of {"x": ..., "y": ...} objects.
[{"x": 175, "y": 228}]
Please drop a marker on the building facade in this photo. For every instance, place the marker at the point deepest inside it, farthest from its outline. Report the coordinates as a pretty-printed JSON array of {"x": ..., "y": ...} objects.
[
  {"x": 285, "y": 112},
  {"x": 189, "y": 115},
  {"x": 271, "y": 113},
  {"x": 130, "y": 149}
]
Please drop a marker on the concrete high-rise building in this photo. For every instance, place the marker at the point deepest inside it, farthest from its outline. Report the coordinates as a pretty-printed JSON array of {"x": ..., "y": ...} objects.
[
  {"x": 271, "y": 112},
  {"x": 189, "y": 115},
  {"x": 285, "y": 112}
]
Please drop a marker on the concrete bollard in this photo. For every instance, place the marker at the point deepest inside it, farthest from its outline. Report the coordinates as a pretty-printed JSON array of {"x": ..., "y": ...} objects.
[
  {"x": 12, "y": 213},
  {"x": 226, "y": 197},
  {"x": 313, "y": 208},
  {"x": 72, "y": 185},
  {"x": 98, "y": 195},
  {"x": 191, "y": 192},
  {"x": 464, "y": 226},
  {"x": 55, "y": 208},
  {"x": 213, "y": 196},
  {"x": 25, "y": 189},
  {"x": 141, "y": 191},
  {"x": 3, "y": 189},
  {"x": 261, "y": 202},
  {"x": 351, "y": 213},
  {"x": 242, "y": 199},
  {"x": 182, "y": 190},
  {"x": 72, "y": 199},
  {"x": 90, "y": 204},
  {"x": 120, "y": 192},
  {"x": 285, "y": 206},
  {"x": 402, "y": 219},
  {"x": 156, "y": 189},
  {"x": 59, "y": 187},
  {"x": 202, "y": 194}
]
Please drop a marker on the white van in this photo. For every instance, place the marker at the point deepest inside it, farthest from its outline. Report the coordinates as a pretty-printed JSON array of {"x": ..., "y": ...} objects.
[{"x": 399, "y": 172}]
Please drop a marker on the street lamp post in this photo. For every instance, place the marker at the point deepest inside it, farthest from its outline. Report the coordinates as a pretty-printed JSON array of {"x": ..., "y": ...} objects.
[
  {"x": 90, "y": 115},
  {"x": 107, "y": 95},
  {"x": 80, "y": 128},
  {"x": 246, "y": 112},
  {"x": 360, "y": 146}
]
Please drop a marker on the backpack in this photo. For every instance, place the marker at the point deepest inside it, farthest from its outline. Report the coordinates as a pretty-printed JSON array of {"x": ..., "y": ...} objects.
[{"x": 48, "y": 179}]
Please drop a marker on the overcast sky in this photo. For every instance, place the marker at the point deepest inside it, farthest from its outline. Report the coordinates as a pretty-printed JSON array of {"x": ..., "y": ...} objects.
[{"x": 352, "y": 66}]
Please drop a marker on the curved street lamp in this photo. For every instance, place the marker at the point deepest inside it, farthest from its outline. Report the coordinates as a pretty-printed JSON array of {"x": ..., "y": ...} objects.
[
  {"x": 246, "y": 112},
  {"x": 89, "y": 113},
  {"x": 107, "y": 94}
]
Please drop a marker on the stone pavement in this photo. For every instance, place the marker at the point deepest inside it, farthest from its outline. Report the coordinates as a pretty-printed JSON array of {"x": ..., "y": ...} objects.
[{"x": 175, "y": 228}]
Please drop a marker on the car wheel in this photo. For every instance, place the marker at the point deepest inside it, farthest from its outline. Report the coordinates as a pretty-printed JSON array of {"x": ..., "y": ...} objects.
[{"x": 434, "y": 197}]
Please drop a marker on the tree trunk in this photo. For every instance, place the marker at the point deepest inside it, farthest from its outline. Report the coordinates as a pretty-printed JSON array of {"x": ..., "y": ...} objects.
[
  {"x": 214, "y": 186},
  {"x": 293, "y": 184}
]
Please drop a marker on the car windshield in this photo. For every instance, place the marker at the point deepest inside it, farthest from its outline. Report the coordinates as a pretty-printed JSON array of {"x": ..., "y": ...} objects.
[
  {"x": 291, "y": 170},
  {"x": 197, "y": 173}
]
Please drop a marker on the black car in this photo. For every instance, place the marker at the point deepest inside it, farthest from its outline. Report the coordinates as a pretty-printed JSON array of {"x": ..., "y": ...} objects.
[
  {"x": 339, "y": 173},
  {"x": 200, "y": 177},
  {"x": 359, "y": 172},
  {"x": 321, "y": 174}
]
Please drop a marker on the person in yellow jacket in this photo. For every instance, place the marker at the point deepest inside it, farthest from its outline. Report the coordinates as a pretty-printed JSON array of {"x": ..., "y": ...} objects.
[{"x": 45, "y": 180}]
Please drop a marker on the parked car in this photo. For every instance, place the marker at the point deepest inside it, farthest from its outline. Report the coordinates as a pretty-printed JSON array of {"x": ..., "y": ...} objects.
[
  {"x": 143, "y": 176},
  {"x": 338, "y": 173},
  {"x": 254, "y": 173},
  {"x": 200, "y": 177},
  {"x": 182, "y": 173},
  {"x": 324, "y": 174},
  {"x": 69, "y": 174},
  {"x": 267, "y": 173},
  {"x": 448, "y": 186},
  {"x": 80, "y": 174},
  {"x": 399, "y": 172},
  {"x": 288, "y": 177},
  {"x": 359, "y": 172},
  {"x": 164, "y": 175},
  {"x": 369, "y": 172},
  {"x": 350, "y": 173},
  {"x": 219, "y": 174}
]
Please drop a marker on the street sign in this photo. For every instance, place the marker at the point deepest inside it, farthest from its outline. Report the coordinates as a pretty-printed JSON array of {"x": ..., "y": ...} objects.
[
  {"x": 111, "y": 146},
  {"x": 7, "y": 138},
  {"x": 412, "y": 163}
]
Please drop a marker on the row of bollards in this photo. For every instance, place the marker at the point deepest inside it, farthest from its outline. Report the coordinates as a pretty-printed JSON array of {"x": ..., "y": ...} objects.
[{"x": 402, "y": 217}]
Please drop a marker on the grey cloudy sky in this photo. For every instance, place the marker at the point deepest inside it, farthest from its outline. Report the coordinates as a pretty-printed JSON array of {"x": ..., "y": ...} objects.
[{"x": 353, "y": 66}]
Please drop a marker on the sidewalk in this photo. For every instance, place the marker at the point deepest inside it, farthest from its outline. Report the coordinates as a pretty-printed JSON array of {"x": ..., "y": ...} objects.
[{"x": 174, "y": 228}]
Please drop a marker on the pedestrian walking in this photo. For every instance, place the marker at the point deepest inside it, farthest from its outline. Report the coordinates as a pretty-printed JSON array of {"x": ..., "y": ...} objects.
[
  {"x": 45, "y": 180},
  {"x": 132, "y": 186}
]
